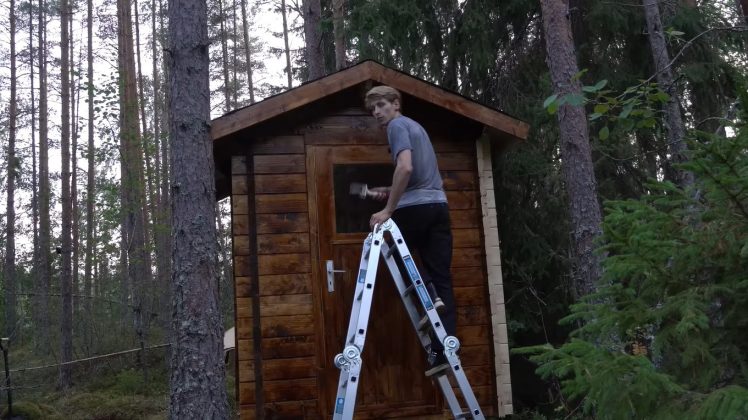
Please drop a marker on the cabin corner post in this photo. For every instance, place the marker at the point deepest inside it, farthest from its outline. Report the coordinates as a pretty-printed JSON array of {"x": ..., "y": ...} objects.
[
  {"x": 495, "y": 281},
  {"x": 246, "y": 280}
]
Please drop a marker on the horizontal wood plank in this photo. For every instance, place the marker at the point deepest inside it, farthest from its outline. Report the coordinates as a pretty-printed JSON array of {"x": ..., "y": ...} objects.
[
  {"x": 244, "y": 329},
  {"x": 280, "y": 184},
  {"x": 465, "y": 218},
  {"x": 472, "y": 315},
  {"x": 288, "y": 347},
  {"x": 461, "y": 200},
  {"x": 241, "y": 244},
  {"x": 287, "y": 325},
  {"x": 295, "y": 390},
  {"x": 293, "y": 410},
  {"x": 239, "y": 224},
  {"x": 239, "y": 204},
  {"x": 467, "y": 257},
  {"x": 239, "y": 184},
  {"x": 471, "y": 296},
  {"x": 285, "y": 305},
  {"x": 283, "y": 243},
  {"x": 459, "y": 180},
  {"x": 281, "y": 203},
  {"x": 285, "y": 284},
  {"x": 466, "y": 238},
  {"x": 277, "y": 145},
  {"x": 244, "y": 348},
  {"x": 456, "y": 161},
  {"x": 282, "y": 223},
  {"x": 280, "y": 164},
  {"x": 288, "y": 369},
  {"x": 283, "y": 264},
  {"x": 468, "y": 276}
]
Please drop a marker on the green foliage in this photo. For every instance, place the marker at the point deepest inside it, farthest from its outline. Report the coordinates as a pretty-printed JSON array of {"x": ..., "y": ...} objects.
[{"x": 664, "y": 336}]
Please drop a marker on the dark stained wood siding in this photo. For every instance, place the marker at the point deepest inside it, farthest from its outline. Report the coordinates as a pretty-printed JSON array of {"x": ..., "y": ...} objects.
[{"x": 288, "y": 344}]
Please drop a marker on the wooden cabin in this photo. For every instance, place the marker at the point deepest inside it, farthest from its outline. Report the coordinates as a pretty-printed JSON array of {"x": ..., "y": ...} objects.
[{"x": 287, "y": 162}]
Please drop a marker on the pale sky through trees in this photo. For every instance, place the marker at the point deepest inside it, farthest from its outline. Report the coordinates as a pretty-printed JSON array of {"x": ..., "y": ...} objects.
[{"x": 263, "y": 21}]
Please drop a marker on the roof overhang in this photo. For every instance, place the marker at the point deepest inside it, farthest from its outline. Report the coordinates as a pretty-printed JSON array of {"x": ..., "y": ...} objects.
[{"x": 498, "y": 124}]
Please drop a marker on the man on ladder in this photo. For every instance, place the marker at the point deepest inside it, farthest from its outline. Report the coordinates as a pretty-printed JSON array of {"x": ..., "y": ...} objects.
[{"x": 417, "y": 203}]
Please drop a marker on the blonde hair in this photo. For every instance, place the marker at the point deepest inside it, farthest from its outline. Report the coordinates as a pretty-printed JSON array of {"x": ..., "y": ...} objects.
[{"x": 381, "y": 92}]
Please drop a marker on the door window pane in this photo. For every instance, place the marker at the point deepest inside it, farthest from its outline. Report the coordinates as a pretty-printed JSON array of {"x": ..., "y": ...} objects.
[{"x": 352, "y": 214}]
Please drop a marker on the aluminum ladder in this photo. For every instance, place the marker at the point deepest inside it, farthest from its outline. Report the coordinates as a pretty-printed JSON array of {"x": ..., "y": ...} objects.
[{"x": 424, "y": 319}]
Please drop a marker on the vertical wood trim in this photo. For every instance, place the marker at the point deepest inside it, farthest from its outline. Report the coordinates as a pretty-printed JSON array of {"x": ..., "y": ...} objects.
[
  {"x": 495, "y": 281},
  {"x": 244, "y": 166}
]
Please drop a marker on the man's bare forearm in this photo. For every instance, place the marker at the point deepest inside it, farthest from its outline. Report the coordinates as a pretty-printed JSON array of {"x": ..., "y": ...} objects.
[{"x": 399, "y": 182}]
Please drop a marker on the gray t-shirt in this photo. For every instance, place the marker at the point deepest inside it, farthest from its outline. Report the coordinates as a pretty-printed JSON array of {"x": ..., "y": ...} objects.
[{"x": 425, "y": 184}]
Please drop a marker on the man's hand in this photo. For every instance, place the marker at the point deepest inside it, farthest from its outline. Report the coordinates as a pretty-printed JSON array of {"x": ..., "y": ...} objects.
[{"x": 379, "y": 217}]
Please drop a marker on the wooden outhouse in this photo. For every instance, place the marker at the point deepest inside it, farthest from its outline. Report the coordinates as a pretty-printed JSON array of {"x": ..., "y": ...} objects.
[{"x": 287, "y": 162}]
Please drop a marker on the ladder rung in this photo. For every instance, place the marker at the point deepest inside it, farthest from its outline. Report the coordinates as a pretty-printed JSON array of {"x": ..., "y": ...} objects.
[
  {"x": 436, "y": 371},
  {"x": 409, "y": 289},
  {"x": 390, "y": 251}
]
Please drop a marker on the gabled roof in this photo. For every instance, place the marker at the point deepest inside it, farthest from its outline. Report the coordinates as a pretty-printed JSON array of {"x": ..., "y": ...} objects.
[{"x": 360, "y": 73}]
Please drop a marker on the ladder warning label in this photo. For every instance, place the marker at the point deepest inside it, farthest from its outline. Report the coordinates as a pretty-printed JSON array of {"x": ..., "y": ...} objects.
[
  {"x": 339, "y": 405},
  {"x": 411, "y": 267},
  {"x": 361, "y": 275},
  {"x": 423, "y": 294}
]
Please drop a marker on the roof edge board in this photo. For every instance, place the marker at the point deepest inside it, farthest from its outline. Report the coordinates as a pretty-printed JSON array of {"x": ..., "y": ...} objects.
[
  {"x": 451, "y": 101},
  {"x": 290, "y": 100}
]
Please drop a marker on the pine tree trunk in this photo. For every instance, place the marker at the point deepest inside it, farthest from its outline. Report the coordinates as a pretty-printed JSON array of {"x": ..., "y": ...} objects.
[
  {"x": 44, "y": 278},
  {"x": 35, "y": 310},
  {"x": 90, "y": 187},
  {"x": 576, "y": 158},
  {"x": 285, "y": 42},
  {"x": 234, "y": 43},
  {"x": 742, "y": 6},
  {"x": 65, "y": 271},
  {"x": 224, "y": 58},
  {"x": 673, "y": 119},
  {"x": 74, "y": 214},
  {"x": 9, "y": 275},
  {"x": 315, "y": 61},
  {"x": 165, "y": 210},
  {"x": 197, "y": 388},
  {"x": 138, "y": 273},
  {"x": 338, "y": 22},
  {"x": 248, "y": 52}
]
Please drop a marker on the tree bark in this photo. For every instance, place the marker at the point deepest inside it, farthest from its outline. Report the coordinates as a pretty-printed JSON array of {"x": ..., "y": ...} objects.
[
  {"x": 315, "y": 61},
  {"x": 74, "y": 214},
  {"x": 35, "y": 310},
  {"x": 234, "y": 83},
  {"x": 248, "y": 52},
  {"x": 197, "y": 388},
  {"x": 66, "y": 242},
  {"x": 138, "y": 268},
  {"x": 338, "y": 23},
  {"x": 742, "y": 6},
  {"x": 44, "y": 278},
  {"x": 9, "y": 275},
  {"x": 224, "y": 58},
  {"x": 576, "y": 158},
  {"x": 673, "y": 120},
  {"x": 90, "y": 185},
  {"x": 285, "y": 42}
]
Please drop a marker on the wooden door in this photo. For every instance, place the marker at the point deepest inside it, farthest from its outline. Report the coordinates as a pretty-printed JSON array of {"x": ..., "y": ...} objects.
[{"x": 392, "y": 382}]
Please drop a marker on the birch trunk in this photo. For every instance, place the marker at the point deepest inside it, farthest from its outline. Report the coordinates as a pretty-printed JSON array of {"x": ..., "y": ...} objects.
[{"x": 338, "y": 23}]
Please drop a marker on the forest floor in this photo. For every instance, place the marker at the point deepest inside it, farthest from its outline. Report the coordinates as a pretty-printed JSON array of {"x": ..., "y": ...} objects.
[{"x": 115, "y": 390}]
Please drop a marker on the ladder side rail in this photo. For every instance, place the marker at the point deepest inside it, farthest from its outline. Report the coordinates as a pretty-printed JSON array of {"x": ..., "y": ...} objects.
[
  {"x": 417, "y": 280},
  {"x": 410, "y": 307},
  {"x": 449, "y": 395},
  {"x": 360, "y": 281},
  {"x": 368, "y": 291}
]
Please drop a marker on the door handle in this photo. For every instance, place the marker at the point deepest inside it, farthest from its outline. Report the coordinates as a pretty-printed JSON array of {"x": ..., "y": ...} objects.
[{"x": 331, "y": 276}]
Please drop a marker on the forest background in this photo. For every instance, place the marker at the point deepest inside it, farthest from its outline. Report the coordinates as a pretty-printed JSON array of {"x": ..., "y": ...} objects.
[{"x": 625, "y": 214}]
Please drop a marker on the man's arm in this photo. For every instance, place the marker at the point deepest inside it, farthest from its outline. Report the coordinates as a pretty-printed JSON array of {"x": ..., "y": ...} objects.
[{"x": 403, "y": 169}]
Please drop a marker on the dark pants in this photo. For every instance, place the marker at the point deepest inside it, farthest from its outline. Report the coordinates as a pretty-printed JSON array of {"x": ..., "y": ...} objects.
[{"x": 426, "y": 230}]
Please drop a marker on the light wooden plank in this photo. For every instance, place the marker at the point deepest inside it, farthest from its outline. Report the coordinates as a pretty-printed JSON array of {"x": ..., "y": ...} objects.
[{"x": 282, "y": 223}]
